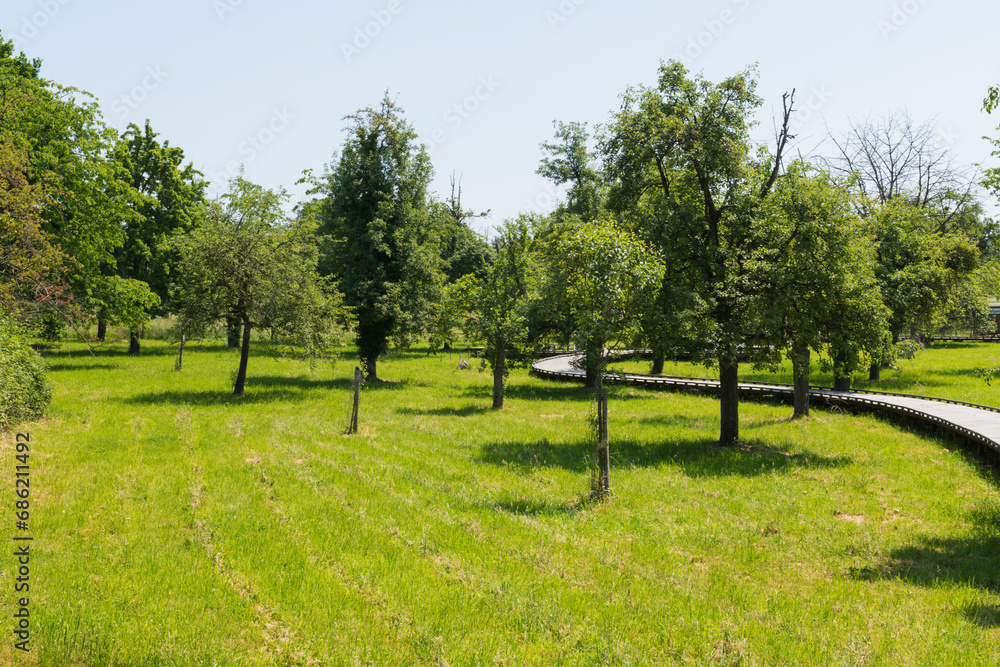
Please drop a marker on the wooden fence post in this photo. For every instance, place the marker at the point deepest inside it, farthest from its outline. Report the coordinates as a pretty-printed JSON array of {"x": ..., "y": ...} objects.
[
  {"x": 179, "y": 364},
  {"x": 358, "y": 379}
]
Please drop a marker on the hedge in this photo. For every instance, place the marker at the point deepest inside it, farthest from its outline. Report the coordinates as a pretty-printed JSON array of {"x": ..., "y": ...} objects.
[{"x": 24, "y": 392}]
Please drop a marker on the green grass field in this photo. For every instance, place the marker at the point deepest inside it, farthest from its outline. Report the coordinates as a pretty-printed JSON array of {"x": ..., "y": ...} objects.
[{"x": 174, "y": 524}]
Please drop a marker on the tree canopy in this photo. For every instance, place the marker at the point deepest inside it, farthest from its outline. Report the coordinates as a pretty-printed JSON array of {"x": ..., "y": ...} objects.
[
  {"x": 681, "y": 154},
  {"x": 64, "y": 190},
  {"x": 381, "y": 247},
  {"x": 821, "y": 293},
  {"x": 245, "y": 259},
  {"x": 496, "y": 305},
  {"x": 606, "y": 278}
]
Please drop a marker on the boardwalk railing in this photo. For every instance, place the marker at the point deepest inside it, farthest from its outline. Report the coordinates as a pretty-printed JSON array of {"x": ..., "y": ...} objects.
[{"x": 978, "y": 423}]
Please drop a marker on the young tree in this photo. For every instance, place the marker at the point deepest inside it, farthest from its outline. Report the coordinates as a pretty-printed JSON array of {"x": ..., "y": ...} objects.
[
  {"x": 606, "y": 278},
  {"x": 244, "y": 259},
  {"x": 684, "y": 148},
  {"x": 125, "y": 302},
  {"x": 496, "y": 305},
  {"x": 383, "y": 249}
]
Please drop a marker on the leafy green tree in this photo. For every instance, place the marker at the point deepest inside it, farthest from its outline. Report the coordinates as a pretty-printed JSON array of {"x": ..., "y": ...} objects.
[
  {"x": 681, "y": 155},
  {"x": 968, "y": 307},
  {"x": 606, "y": 278},
  {"x": 32, "y": 268},
  {"x": 917, "y": 271},
  {"x": 169, "y": 197},
  {"x": 124, "y": 302},
  {"x": 448, "y": 317},
  {"x": 60, "y": 150},
  {"x": 89, "y": 205},
  {"x": 991, "y": 176},
  {"x": 570, "y": 161},
  {"x": 244, "y": 259},
  {"x": 496, "y": 305},
  {"x": 821, "y": 288},
  {"x": 383, "y": 246}
]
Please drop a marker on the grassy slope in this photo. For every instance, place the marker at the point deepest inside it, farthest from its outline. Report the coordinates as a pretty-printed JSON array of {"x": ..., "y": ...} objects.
[{"x": 176, "y": 525}]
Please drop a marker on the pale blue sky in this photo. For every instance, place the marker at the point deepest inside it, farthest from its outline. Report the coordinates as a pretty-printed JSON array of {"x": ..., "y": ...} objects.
[{"x": 268, "y": 84}]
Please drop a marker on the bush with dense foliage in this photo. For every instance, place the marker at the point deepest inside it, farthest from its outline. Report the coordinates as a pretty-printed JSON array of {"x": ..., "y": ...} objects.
[{"x": 24, "y": 392}]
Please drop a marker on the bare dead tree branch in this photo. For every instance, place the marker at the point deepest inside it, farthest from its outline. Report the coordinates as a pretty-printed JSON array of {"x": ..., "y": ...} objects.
[
  {"x": 894, "y": 157},
  {"x": 782, "y": 138}
]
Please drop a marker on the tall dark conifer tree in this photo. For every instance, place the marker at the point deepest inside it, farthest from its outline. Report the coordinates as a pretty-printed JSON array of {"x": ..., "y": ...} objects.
[{"x": 382, "y": 246}]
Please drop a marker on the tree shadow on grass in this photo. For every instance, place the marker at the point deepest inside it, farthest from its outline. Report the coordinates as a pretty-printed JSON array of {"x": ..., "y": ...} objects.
[
  {"x": 696, "y": 457},
  {"x": 553, "y": 391},
  {"x": 266, "y": 389},
  {"x": 82, "y": 367},
  {"x": 465, "y": 411},
  {"x": 985, "y": 616},
  {"x": 221, "y": 397},
  {"x": 681, "y": 421},
  {"x": 550, "y": 391},
  {"x": 950, "y": 372},
  {"x": 956, "y": 345},
  {"x": 271, "y": 382},
  {"x": 904, "y": 385},
  {"x": 120, "y": 351},
  {"x": 968, "y": 560},
  {"x": 306, "y": 383},
  {"x": 536, "y": 508},
  {"x": 101, "y": 352}
]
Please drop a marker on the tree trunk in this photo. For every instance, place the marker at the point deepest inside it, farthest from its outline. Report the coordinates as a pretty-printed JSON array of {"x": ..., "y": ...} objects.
[
  {"x": 659, "y": 357},
  {"x": 102, "y": 329},
  {"x": 233, "y": 326},
  {"x": 841, "y": 376},
  {"x": 179, "y": 365},
  {"x": 133, "y": 341},
  {"x": 729, "y": 399},
  {"x": 371, "y": 370},
  {"x": 241, "y": 377},
  {"x": 498, "y": 372},
  {"x": 600, "y": 484},
  {"x": 590, "y": 364},
  {"x": 875, "y": 372},
  {"x": 800, "y": 370}
]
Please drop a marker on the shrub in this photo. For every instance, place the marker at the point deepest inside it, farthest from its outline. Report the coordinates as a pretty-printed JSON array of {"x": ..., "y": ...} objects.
[{"x": 24, "y": 392}]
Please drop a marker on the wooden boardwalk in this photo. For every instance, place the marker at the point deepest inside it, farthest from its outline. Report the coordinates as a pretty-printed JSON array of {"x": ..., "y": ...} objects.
[{"x": 978, "y": 423}]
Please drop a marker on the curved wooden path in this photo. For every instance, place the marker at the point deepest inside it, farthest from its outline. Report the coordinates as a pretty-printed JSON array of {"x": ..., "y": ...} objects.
[{"x": 978, "y": 423}]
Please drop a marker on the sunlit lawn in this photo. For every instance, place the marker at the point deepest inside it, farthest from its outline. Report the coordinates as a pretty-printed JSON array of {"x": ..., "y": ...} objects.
[{"x": 177, "y": 525}]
